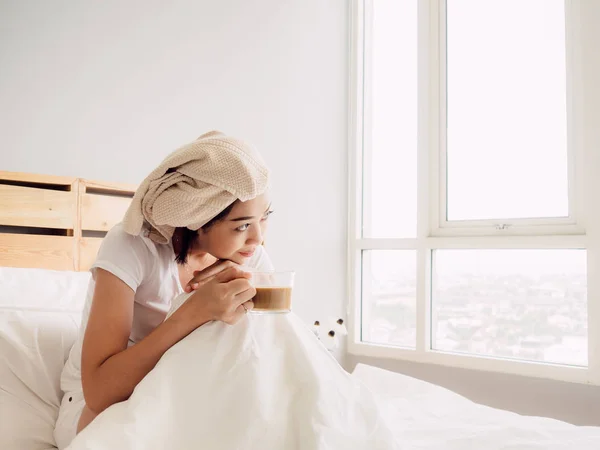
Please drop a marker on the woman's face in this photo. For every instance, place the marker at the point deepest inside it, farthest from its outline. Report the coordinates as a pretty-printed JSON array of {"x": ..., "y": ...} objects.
[{"x": 237, "y": 235}]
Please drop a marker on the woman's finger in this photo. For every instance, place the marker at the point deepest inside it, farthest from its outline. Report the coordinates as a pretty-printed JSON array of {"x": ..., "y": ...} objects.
[
  {"x": 244, "y": 296},
  {"x": 213, "y": 269},
  {"x": 241, "y": 311},
  {"x": 232, "y": 273},
  {"x": 209, "y": 272},
  {"x": 239, "y": 285}
]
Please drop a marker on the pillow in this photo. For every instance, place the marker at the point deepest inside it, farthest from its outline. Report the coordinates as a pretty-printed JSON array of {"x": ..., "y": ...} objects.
[
  {"x": 40, "y": 313},
  {"x": 42, "y": 289}
]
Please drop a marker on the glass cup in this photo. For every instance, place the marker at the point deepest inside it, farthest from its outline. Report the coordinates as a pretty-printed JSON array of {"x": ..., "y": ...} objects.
[{"x": 273, "y": 292}]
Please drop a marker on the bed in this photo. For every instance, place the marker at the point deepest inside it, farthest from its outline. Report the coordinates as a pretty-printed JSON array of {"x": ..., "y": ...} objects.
[{"x": 51, "y": 230}]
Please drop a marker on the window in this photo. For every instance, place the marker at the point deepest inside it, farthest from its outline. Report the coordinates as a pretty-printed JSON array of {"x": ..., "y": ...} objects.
[
  {"x": 528, "y": 304},
  {"x": 389, "y": 297},
  {"x": 392, "y": 125},
  {"x": 468, "y": 242},
  {"x": 506, "y": 109}
]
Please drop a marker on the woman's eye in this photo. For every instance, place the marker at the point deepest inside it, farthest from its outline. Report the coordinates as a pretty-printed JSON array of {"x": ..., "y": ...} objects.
[
  {"x": 267, "y": 214},
  {"x": 243, "y": 227}
]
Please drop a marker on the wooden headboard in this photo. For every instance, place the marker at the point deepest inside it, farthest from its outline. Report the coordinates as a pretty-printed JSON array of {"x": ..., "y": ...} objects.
[{"x": 55, "y": 222}]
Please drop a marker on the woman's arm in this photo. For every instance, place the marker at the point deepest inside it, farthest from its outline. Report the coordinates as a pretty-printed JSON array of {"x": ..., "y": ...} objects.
[{"x": 109, "y": 370}]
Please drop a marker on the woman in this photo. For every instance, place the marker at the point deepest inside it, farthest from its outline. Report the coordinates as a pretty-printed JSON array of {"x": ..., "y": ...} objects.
[{"x": 192, "y": 224}]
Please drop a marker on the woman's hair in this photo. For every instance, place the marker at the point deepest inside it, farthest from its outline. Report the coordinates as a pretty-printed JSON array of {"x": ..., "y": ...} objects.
[{"x": 186, "y": 238}]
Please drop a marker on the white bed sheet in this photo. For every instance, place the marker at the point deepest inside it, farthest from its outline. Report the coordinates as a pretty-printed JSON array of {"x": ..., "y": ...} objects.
[{"x": 431, "y": 417}]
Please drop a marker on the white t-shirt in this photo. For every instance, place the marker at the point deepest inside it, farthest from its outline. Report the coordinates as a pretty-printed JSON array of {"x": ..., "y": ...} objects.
[{"x": 150, "y": 270}]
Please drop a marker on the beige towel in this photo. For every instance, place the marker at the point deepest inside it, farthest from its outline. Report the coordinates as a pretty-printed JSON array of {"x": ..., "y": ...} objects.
[{"x": 194, "y": 184}]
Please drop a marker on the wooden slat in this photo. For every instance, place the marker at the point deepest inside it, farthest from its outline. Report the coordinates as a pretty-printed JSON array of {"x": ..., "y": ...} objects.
[
  {"x": 102, "y": 212},
  {"x": 78, "y": 188},
  {"x": 88, "y": 249},
  {"x": 34, "y": 251},
  {"x": 35, "y": 178},
  {"x": 33, "y": 207},
  {"x": 45, "y": 201},
  {"x": 121, "y": 188}
]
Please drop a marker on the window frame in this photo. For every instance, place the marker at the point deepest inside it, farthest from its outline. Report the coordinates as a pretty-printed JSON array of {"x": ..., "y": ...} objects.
[{"x": 578, "y": 231}]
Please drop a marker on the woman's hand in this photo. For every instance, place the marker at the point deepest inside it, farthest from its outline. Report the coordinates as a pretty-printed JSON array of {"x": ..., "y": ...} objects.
[
  {"x": 225, "y": 296},
  {"x": 211, "y": 271}
]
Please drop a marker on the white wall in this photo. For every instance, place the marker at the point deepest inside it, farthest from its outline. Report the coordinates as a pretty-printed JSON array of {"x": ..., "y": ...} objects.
[{"x": 105, "y": 90}]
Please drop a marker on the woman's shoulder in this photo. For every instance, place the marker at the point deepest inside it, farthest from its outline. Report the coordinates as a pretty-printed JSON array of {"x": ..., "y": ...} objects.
[
  {"x": 119, "y": 239},
  {"x": 120, "y": 245},
  {"x": 131, "y": 258}
]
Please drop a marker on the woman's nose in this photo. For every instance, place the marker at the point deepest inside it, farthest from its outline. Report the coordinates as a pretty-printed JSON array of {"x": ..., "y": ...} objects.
[{"x": 255, "y": 237}]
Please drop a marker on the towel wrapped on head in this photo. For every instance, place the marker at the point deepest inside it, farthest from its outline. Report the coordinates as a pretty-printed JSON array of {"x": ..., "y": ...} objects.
[{"x": 194, "y": 184}]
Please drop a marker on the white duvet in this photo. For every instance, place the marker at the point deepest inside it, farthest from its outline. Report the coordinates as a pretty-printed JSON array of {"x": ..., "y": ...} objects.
[{"x": 269, "y": 384}]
